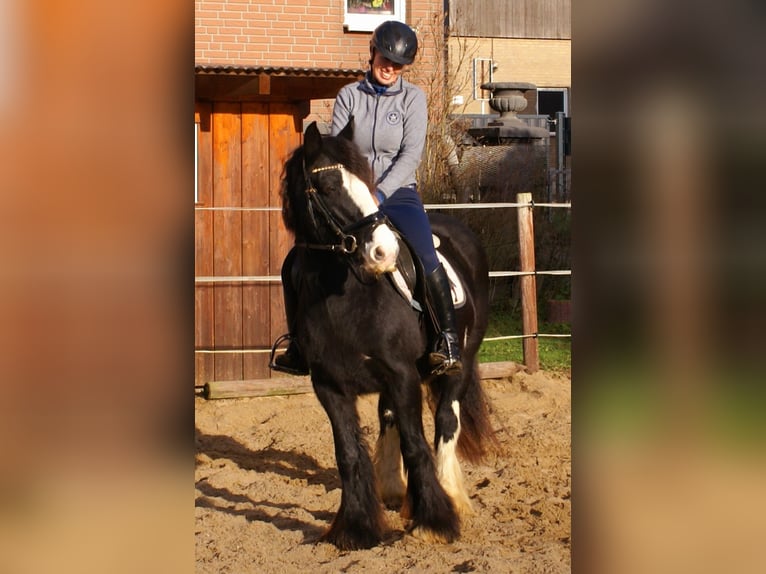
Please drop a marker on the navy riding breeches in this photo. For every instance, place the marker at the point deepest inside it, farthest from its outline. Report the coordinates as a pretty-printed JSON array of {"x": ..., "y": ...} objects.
[{"x": 405, "y": 210}]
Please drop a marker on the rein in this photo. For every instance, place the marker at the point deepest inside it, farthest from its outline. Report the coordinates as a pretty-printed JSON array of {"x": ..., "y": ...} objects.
[{"x": 347, "y": 241}]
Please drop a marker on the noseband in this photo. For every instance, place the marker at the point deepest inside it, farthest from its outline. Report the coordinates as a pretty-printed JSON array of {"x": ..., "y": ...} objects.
[{"x": 347, "y": 242}]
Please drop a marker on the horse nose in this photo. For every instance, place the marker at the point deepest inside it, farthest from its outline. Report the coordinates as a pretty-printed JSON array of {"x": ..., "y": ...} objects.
[
  {"x": 384, "y": 257},
  {"x": 384, "y": 249}
]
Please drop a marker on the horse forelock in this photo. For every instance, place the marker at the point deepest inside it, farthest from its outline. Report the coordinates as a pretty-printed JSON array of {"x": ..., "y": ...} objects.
[
  {"x": 334, "y": 150},
  {"x": 345, "y": 152}
]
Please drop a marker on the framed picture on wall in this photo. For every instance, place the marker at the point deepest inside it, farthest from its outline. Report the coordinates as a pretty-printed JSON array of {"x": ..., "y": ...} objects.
[{"x": 366, "y": 15}]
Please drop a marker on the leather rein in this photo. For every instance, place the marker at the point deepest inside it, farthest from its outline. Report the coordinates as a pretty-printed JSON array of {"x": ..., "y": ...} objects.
[{"x": 347, "y": 242}]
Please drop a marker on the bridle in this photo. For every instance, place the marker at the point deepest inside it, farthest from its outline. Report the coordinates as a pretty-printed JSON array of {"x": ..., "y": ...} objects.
[{"x": 347, "y": 241}]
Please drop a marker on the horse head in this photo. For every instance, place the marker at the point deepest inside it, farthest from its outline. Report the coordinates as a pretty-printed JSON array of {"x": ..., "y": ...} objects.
[{"x": 327, "y": 203}]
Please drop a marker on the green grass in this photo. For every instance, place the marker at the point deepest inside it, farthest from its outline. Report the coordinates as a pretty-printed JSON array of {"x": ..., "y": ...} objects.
[{"x": 555, "y": 353}]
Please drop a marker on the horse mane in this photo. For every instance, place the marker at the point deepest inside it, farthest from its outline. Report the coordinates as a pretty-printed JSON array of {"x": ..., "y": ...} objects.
[
  {"x": 292, "y": 184},
  {"x": 335, "y": 149}
]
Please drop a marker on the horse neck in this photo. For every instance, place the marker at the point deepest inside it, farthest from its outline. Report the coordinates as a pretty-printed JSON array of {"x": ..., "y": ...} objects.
[{"x": 320, "y": 260}]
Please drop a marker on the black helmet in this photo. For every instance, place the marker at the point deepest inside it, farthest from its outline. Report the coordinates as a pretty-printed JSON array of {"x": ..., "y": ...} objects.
[{"x": 395, "y": 41}]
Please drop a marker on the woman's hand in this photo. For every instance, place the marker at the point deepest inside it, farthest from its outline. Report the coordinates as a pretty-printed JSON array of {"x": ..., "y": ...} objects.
[{"x": 378, "y": 197}]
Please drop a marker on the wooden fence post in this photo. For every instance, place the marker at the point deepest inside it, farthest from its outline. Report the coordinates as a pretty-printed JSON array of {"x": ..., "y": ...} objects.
[{"x": 528, "y": 282}]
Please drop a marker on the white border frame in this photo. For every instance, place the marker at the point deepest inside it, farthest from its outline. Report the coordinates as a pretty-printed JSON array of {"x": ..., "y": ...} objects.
[
  {"x": 477, "y": 82},
  {"x": 356, "y": 22}
]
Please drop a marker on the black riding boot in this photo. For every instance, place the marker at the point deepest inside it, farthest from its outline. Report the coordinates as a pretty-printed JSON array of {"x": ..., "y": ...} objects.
[
  {"x": 291, "y": 361},
  {"x": 444, "y": 356}
]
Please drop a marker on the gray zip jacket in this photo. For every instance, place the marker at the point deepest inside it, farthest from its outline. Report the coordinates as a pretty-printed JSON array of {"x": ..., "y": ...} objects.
[{"x": 390, "y": 129}]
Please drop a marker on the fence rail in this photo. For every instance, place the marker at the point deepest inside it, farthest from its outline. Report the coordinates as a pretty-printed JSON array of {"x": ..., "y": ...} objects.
[{"x": 527, "y": 274}]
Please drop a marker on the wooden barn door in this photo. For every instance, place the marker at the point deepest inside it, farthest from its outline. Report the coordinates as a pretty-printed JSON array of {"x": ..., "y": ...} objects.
[{"x": 241, "y": 151}]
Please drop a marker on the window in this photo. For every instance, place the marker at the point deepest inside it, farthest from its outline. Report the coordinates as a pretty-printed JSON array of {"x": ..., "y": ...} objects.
[
  {"x": 366, "y": 15},
  {"x": 552, "y": 100},
  {"x": 482, "y": 74}
]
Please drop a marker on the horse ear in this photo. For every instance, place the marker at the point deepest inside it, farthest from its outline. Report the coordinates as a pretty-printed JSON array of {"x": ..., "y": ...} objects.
[
  {"x": 348, "y": 131},
  {"x": 312, "y": 141}
]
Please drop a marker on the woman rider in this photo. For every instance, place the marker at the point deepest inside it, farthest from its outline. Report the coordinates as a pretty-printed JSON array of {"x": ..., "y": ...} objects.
[{"x": 390, "y": 123}]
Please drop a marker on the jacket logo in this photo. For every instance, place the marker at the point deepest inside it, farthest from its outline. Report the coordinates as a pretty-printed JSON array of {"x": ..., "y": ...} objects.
[{"x": 393, "y": 118}]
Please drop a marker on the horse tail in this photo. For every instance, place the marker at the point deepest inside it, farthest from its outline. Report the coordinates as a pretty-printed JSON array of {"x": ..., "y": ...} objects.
[{"x": 477, "y": 436}]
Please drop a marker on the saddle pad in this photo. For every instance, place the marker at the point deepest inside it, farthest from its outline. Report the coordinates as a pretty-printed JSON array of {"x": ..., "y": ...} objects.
[{"x": 456, "y": 287}]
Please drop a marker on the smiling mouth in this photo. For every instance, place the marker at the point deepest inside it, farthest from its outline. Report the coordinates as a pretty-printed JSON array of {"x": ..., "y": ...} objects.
[{"x": 388, "y": 76}]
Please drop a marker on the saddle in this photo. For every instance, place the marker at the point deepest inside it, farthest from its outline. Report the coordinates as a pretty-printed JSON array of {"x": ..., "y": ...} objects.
[{"x": 408, "y": 278}]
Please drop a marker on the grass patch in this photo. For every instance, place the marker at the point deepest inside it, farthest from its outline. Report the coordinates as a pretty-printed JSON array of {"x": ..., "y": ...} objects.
[{"x": 555, "y": 353}]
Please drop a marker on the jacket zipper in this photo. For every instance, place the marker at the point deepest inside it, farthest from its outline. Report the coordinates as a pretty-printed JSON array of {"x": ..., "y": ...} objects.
[{"x": 374, "y": 129}]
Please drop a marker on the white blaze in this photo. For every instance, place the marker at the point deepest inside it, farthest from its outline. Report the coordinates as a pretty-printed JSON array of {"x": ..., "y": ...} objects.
[{"x": 381, "y": 252}]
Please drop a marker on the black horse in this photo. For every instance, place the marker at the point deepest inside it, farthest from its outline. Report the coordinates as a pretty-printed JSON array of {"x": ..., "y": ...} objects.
[{"x": 360, "y": 335}]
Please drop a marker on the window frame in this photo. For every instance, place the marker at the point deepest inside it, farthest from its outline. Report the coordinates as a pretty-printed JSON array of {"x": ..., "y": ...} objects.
[
  {"x": 356, "y": 21},
  {"x": 565, "y": 99}
]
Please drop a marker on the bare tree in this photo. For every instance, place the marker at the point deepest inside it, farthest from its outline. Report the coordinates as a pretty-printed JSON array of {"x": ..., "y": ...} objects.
[{"x": 442, "y": 71}]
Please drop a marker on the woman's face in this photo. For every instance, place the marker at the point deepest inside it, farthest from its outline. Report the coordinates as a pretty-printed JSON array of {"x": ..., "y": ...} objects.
[{"x": 384, "y": 71}]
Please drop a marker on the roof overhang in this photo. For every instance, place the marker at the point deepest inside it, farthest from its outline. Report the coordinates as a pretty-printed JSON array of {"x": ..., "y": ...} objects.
[{"x": 269, "y": 84}]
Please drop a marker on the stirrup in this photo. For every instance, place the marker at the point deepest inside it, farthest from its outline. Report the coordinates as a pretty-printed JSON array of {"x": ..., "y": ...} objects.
[
  {"x": 275, "y": 366},
  {"x": 441, "y": 365},
  {"x": 445, "y": 359}
]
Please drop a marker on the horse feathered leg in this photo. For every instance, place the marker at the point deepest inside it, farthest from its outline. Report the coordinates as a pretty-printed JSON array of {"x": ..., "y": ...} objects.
[
  {"x": 461, "y": 424},
  {"x": 447, "y": 464},
  {"x": 389, "y": 469},
  {"x": 359, "y": 522},
  {"x": 433, "y": 515}
]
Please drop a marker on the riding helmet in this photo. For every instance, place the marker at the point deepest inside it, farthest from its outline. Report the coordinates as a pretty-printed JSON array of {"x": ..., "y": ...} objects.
[{"x": 395, "y": 41}]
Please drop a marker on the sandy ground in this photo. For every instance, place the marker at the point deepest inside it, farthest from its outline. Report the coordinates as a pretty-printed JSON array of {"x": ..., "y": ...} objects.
[{"x": 267, "y": 488}]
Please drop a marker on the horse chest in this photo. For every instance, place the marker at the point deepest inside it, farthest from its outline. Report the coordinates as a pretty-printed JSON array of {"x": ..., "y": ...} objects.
[{"x": 362, "y": 318}]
